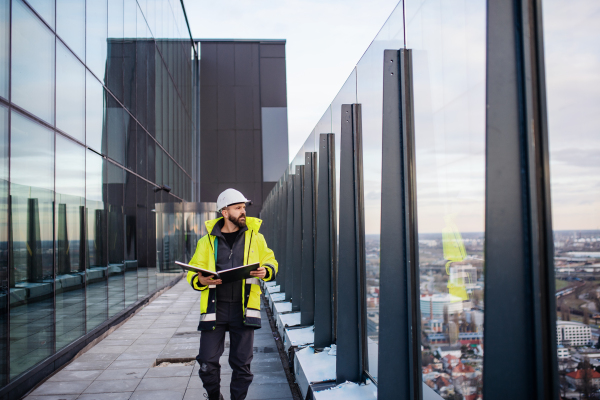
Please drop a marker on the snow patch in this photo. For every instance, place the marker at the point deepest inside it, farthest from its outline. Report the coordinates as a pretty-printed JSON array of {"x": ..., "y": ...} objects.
[{"x": 348, "y": 391}]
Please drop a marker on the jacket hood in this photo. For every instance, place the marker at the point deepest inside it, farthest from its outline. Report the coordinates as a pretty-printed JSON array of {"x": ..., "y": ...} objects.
[{"x": 251, "y": 222}]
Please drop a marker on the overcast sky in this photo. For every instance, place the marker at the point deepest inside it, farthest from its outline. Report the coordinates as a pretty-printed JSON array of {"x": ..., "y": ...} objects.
[{"x": 325, "y": 39}]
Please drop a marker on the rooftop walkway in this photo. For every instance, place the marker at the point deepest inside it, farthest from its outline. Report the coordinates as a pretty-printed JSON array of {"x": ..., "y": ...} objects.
[{"x": 123, "y": 365}]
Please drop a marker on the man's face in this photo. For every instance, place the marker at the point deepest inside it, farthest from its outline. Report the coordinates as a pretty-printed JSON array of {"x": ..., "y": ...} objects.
[{"x": 236, "y": 213}]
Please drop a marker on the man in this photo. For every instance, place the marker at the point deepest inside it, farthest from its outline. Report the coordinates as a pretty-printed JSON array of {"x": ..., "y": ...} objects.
[{"x": 232, "y": 240}]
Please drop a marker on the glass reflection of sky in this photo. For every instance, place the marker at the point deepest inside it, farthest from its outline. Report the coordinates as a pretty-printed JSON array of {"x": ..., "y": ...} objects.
[{"x": 571, "y": 38}]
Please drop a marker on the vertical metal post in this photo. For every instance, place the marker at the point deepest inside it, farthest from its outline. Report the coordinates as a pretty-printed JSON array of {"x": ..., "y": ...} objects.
[
  {"x": 520, "y": 310},
  {"x": 281, "y": 257},
  {"x": 289, "y": 248},
  {"x": 325, "y": 247},
  {"x": 399, "y": 360},
  {"x": 307, "y": 308},
  {"x": 351, "y": 346},
  {"x": 297, "y": 240}
]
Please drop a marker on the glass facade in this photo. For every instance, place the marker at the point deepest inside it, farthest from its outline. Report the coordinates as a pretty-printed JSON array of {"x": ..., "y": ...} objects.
[
  {"x": 448, "y": 47},
  {"x": 573, "y": 90},
  {"x": 93, "y": 123},
  {"x": 449, "y": 108}
]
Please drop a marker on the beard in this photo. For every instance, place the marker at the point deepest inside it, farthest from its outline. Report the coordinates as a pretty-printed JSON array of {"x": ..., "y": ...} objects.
[{"x": 240, "y": 221}]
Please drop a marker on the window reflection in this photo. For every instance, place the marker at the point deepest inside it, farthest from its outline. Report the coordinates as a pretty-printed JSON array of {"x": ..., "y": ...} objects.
[
  {"x": 573, "y": 96},
  {"x": 32, "y": 63},
  {"x": 4, "y": 46},
  {"x": 95, "y": 114},
  {"x": 96, "y": 34},
  {"x": 369, "y": 92},
  {"x": 70, "y": 24},
  {"x": 31, "y": 247},
  {"x": 3, "y": 245},
  {"x": 45, "y": 8},
  {"x": 142, "y": 236},
  {"x": 97, "y": 241},
  {"x": 70, "y": 93},
  {"x": 130, "y": 258},
  {"x": 70, "y": 241},
  {"x": 448, "y": 45},
  {"x": 116, "y": 252}
]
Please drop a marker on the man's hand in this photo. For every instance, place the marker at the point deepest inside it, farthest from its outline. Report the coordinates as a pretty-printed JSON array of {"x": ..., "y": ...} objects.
[
  {"x": 259, "y": 273},
  {"x": 208, "y": 280}
]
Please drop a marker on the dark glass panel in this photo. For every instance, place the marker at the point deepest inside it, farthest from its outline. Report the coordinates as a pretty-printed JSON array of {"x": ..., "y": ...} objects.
[
  {"x": 130, "y": 142},
  {"x": 158, "y": 98},
  {"x": 31, "y": 244},
  {"x": 97, "y": 241},
  {"x": 96, "y": 34},
  {"x": 70, "y": 241},
  {"x": 45, "y": 8},
  {"x": 95, "y": 104},
  {"x": 143, "y": 46},
  {"x": 129, "y": 55},
  {"x": 4, "y": 46},
  {"x": 153, "y": 255},
  {"x": 158, "y": 165},
  {"x": 151, "y": 158},
  {"x": 116, "y": 118},
  {"x": 32, "y": 71},
  {"x": 171, "y": 115},
  {"x": 142, "y": 236},
  {"x": 70, "y": 24},
  {"x": 70, "y": 93},
  {"x": 4, "y": 281},
  {"x": 116, "y": 251},
  {"x": 130, "y": 261},
  {"x": 141, "y": 137},
  {"x": 114, "y": 68}
]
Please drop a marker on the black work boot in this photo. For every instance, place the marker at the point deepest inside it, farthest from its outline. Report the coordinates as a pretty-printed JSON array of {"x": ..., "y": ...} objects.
[{"x": 214, "y": 396}]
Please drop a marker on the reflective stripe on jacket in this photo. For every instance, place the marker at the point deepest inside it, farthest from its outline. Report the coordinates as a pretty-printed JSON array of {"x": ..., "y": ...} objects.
[{"x": 255, "y": 250}]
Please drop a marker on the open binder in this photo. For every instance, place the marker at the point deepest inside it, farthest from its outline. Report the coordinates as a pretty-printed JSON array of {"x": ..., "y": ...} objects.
[{"x": 229, "y": 275}]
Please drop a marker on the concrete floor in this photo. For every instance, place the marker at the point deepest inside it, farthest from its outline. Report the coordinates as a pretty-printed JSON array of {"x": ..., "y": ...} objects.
[{"x": 121, "y": 366}]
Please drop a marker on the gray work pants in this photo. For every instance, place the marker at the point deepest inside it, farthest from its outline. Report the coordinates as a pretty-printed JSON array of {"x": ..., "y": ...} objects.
[{"x": 212, "y": 345}]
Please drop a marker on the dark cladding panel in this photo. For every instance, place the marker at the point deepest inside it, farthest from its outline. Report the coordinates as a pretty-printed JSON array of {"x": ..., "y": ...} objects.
[
  {"x": 272, "y": 83},
  {"x": 258, "y": 152},
  {"x": 255, "y": 66},
  {"x": 245, "y": 158},
  {"x": 208, "y": 108},
  {"x": 209, "y": 191},
  {"x": 209, "y": 159},
  {"x": 243, "y": 107},
  {"x": 226, "y": 107},
  {"x": 272, "y": 50},
  {"x": 208, "y": 64},
  {"x": 244, "y": 73},
  {"x": 225, "y": 63},
  {"x": 225, "y": 167},
  {"x": 256, "y": 109}
]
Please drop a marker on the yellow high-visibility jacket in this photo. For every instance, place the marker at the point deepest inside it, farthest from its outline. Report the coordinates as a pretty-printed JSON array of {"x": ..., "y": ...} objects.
[{"x": 255, "y": 250}]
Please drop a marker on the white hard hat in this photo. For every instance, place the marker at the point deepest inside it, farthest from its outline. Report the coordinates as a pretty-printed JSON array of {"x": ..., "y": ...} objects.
[{"x": 229, "y": 197}]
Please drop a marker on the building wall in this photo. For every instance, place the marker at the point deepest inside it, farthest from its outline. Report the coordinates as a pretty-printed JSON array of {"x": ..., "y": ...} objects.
[
  {"x": 96, "y": 113},
  {"x": 243, "y": 108}
]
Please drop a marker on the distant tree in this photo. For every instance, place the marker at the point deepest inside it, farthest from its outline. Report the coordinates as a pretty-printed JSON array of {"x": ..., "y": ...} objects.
[
  {"x": 586, "y": 317},
  {"x": 587, "y": 387}
]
